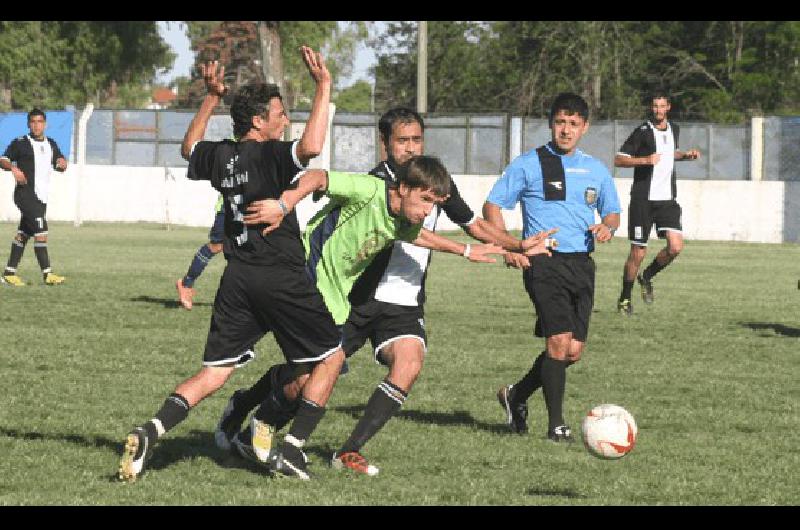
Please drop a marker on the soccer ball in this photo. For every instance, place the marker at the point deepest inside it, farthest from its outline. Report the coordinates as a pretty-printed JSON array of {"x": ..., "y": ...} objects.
[{"x": 609, "y": 431}]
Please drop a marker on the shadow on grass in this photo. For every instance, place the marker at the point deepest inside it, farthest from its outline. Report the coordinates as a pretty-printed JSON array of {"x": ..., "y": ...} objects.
[
  {"x": 779, "y": 329},
  {"x": 169, "y": 303},
  {"x": 554, "y": 492},
  {"x": 457, "y": 418},
  {"x": 196, "y": 444}
]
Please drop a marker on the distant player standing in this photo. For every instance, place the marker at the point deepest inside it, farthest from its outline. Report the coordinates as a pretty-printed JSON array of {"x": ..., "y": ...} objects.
[
  {"x": 30, "y": 159},
  {"x": 557, "y": 185},
  {"x": 651, "y": 149},
  {"x": 216, "y": 236}
]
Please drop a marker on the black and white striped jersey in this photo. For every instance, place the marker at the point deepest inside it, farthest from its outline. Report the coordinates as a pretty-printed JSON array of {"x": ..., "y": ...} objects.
[
  {"x": 36, "y": 158},
  {"x": 397, "y": 274},
  {"x": 655, "y": 183}
]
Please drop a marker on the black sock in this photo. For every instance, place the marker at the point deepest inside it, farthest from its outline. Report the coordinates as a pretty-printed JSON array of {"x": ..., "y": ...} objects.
[
  {"x": 276, "y": 409},
  {"x": 17, "y": 248},
  {"x": 627, "y": 287},
  {"x": 554, "y": 381},
  {"x": 41, "y": 256},
  {"x": 277, "y": 376},
  {"x": 654, "y": 268},
  {"x": 172, "y": 412},
  {"x": 384, "y": 403},
  {"x": 305, "y": 421},
  {"x": 531, "y": 382}
]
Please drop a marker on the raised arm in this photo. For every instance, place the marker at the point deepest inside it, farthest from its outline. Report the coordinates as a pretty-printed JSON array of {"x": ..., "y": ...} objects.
[
  {"x": 313, "y": 138},
  {"x": 216, "y": 89},
  {"x": 272, "y": 211}
]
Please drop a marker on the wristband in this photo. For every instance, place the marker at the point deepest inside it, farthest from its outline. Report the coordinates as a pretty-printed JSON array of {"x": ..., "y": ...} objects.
[
  {"x": 467, "y": 249},
  {"x": 284, "y": 209},
  {"x": 612, "y": 230}
]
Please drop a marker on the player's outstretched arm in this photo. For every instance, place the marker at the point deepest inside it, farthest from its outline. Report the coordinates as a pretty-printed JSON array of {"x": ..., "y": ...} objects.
[
  {"x": 475, "y": 253},
  {"x": 494, "y": 216},
  {"x": 272, "y": 211},
  {"x": 213, "y": 75},
  {"x": 313, "y": 138}
]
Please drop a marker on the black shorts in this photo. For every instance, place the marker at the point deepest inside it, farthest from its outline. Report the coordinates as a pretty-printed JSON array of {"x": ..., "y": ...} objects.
[
  {"x": 382, "y": 324},
  {"x": 217, "y": 232},
  {"x": 255, "y": 299},
  {"x": 33, "y": 222},
  {"x": 561, "y": 288},
  {"x": 666, "y": 215}
]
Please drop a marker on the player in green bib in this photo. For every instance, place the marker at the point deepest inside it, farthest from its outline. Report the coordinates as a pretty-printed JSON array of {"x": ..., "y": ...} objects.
[{"x": 364, "y": 216}]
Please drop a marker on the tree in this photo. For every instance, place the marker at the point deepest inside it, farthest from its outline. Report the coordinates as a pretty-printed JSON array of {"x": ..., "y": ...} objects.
[
  {"x": 53, "y": 64},
  {"x": 355, "y": 98}
]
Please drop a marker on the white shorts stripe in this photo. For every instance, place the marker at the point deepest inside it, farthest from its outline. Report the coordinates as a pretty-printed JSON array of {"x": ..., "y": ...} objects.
[{"x": 387, "y": 342}]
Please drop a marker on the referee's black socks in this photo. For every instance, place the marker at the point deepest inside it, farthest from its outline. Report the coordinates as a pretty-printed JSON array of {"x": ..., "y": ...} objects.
[
  {"x": 554, "y": 381},
  {"x": 530, "y": 383}
]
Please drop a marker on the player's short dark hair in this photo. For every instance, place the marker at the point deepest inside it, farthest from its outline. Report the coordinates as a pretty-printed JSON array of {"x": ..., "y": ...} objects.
[
  {"x": 571, "y": 104},
  {"x": 251, "y": 100},
  {"x": 659, "y": 94},
  {"x": 425, "y": 172},
  {"x": 36, "y": 111},
  {"x": 397, "y": 115}
]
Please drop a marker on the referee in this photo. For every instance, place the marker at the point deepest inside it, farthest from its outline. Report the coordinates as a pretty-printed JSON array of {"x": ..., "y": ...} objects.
[
  {"x": 558, "y": 186},
  {"x": 651, "y": 149}
]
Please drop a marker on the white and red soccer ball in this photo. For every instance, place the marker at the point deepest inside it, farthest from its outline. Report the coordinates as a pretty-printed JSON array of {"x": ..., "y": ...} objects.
[{"x": 609, "y": 431}]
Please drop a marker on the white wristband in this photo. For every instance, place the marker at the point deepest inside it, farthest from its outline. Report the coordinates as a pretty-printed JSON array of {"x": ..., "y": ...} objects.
[
  {"x": 284, "y": 209},
  {"x": 467, "y": 250}
]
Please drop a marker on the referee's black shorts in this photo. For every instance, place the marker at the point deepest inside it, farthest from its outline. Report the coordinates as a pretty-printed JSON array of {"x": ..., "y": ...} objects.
[
  {"x": 255, "y": 299},
  {"x": 562, "y": 290},
  {"x": 382, "y": 323},
  {"x": 33, "y": 221}
]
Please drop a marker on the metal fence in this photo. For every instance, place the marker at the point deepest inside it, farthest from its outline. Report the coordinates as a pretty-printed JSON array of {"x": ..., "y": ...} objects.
[{"x": 474, "y": 144}]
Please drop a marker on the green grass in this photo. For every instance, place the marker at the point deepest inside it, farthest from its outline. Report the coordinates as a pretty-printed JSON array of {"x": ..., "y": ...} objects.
[{"x": 710, "y": 372}]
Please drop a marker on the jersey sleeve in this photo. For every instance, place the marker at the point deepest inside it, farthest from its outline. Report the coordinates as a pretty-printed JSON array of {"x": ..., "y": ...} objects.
[
  {"x": 351, "y": 188},
  {"x": 286, "y": 155},
  {"x": 632, "y": 145},
  {"x": 12, "y": 151},
  {"x": 56, "y": 152},
  {"x": 507, "y": 191},
  {"x": 608, "y": 200},
  {"x": 201, "y": 161},
  {"x": 456, "y": 208}
]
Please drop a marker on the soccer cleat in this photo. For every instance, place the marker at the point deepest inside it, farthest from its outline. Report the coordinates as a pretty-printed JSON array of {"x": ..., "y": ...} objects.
[
  {"x": 185, "y": 294},
  {"x": 625, "y": 307},
  {"x": 230, "y": 422},
  {"x": 516, "y": 413},
  {"x": 355, "y": 461},
  {"x": 242, "y": 442},
  {"x": 13, "y": 280},
  {"x": 290, "y": 461},
  {"x": 262, "y": 434},
  {"x": 647, "y": 288},
  {"x": 562, "y": 433},
  {"x": 53, "y": 279},
  {"x": 137, "y": 450}
]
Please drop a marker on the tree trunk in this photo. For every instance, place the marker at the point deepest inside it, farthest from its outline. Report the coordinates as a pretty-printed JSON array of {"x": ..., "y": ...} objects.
[{"x": 271, "y": 60}]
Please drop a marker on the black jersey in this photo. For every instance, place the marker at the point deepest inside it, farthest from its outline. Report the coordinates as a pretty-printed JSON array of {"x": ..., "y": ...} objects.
[
  {"x": 397, "y": 275},
  {"x": 36, "y": 158},
  {"x": 244, "y": 172},
  {"x": 640, "y": 143}
]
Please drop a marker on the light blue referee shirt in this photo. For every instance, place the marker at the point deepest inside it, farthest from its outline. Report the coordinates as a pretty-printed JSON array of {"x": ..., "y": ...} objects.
[{"x": 589, "y": 188}]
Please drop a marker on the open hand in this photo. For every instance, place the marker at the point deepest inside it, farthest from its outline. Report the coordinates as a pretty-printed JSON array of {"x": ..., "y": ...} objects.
[
  {"x": 214, "y": 79},
  {"x": 316, "y": 65}
]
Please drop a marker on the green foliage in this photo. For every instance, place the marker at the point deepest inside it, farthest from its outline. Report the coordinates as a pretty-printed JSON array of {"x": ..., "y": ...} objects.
[
  {"x": 53, "y": 64},
  {"x": 709, "y": 372},
  {"x": 355, "y": 98}
]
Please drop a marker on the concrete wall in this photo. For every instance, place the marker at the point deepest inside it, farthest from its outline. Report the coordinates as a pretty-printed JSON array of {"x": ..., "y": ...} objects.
[{"x": 764, "y": 212}]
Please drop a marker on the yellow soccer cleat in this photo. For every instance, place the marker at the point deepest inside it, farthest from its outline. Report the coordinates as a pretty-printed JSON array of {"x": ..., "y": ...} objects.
[
  {"x": 13, "y": 279},
  {"x": 53, "y": 279}
]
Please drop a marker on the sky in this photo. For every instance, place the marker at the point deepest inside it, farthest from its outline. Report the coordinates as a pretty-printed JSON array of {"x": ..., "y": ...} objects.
[{"x": 176, "y": 37}]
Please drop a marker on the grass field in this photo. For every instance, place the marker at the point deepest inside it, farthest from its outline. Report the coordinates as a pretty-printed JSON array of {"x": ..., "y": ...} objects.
[{"x": 711, "y": 373}]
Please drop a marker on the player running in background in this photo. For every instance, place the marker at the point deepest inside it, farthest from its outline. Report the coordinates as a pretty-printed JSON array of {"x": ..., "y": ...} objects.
[
  {"x": 216, "y": 236},
  {"x": 652, "y": 149},
  {"x": 557, "y": 185},
  {"x": 31, "y": 158}
]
